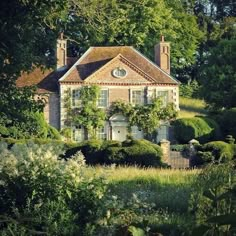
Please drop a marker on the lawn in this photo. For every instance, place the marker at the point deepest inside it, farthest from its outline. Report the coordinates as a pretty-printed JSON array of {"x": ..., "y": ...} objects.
[
  {"x": 167, "y": 190},
  {"x": 190, "y": 107}
]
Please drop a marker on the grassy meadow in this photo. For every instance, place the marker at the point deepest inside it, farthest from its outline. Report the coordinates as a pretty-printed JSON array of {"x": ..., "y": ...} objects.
[
  {"x": 168, "y": 190},
  {"x": 190, "y": 107}
]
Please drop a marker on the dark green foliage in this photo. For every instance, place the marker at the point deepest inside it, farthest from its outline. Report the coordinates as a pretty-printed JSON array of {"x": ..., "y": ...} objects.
[
  {"x": 34, "y": 127},
  {"x": 3, "y": 131},
  {"x": 218, "y": 77},
  {"x": 214, "y": 201},
  {"x": 142, "y": 153},
  {"x": 214, "y": 152},
  {"x": 201, "y": 128},
  {"x": 227, "y": 121},
  {"x": 190, "y": 90},
  {"x": 53, "y": 133},
  {"x": 220, "y": 149},
  {"x": 131, "y": 152},
  {"x": 41, "y": 194}
]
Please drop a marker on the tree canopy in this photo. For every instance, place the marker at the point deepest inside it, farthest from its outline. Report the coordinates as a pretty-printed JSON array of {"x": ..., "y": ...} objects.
[
  {"x": 218, "y": 76},
  {"x": 134, "y": 23}
]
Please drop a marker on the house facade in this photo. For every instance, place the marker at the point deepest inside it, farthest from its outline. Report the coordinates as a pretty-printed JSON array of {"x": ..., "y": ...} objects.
[{"x": 122, "y": 73}]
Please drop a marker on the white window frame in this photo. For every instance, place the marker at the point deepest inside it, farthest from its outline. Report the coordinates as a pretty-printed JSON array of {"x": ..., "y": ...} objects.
[
  {"x": 101, "y": 133},
  {"x": 77, "y": 133},
  {"x": 141, "y": 102},
  {"x": 104, "y": 100},
  {"x": 164, "y": 95},
  {"x": 75, "y": 98}
]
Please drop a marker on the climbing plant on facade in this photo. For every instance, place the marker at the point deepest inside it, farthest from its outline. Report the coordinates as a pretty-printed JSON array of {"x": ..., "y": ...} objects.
[
  {"x": 147, "y": 117},
  {"x": 86, "y": 114}
]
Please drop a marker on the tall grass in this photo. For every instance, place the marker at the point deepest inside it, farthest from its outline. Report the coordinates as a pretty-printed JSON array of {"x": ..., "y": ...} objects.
[
  {"x": 168, "y": 190},
  {"x": 190, "y": 107}
]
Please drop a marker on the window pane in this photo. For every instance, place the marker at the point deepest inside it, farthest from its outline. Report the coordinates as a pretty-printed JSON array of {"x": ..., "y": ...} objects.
[
  {"x": 164, "y": 97},
  {"x": 101, "y": 133},
  {"x": 75, "y": 97},
  {"x": 137, "y": 97},
  {"x": 78, "y": 134},
  {"x": 103, "y": 98}
]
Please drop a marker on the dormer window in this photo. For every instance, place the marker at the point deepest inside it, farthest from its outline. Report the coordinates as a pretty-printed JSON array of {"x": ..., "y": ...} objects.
[{"x": 119, "y": 72}]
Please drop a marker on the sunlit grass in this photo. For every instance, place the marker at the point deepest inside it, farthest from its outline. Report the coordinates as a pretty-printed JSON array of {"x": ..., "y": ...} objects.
[
  {"x": 167, "y": 188},
  {"x": 190, "y": 107},
  {"x": 120, "y": 173}
]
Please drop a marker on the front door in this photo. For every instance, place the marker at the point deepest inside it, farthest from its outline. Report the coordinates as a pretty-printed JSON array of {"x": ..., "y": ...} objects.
[{"x": 119, "y": 133}]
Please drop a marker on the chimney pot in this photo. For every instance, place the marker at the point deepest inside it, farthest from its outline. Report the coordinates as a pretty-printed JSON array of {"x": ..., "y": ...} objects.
[
  {"x": 162, "y": 55},
  {"x": 162, "y": 38}
]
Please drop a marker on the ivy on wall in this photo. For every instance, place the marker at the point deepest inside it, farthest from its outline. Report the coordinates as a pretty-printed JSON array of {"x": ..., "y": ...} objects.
[
  {"x": 87, "y": 114},
  {"x": 147, "y": 117}
]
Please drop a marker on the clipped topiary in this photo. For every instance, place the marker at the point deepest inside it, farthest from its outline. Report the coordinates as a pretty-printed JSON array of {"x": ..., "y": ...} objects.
[
  {"x": 217, "y": 151},
  {"x": 202, "y": 129},
  {"x": 142, "y": 153}
]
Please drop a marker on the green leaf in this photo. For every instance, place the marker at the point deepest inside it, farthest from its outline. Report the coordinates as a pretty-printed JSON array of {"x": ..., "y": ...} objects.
[
  {"x": 136, "y": 231},
  {"x": 68, "y": 193},
  {"x": 209, "y": 194}
]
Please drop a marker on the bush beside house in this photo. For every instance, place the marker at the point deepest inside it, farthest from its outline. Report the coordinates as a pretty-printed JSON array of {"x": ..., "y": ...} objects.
[{"x": 202, "y": 129}]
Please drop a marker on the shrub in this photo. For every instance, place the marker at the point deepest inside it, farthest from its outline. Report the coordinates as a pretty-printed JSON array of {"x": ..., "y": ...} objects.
[
  {"x": 3, "y": 131},
  {"x": 217, "y": 151},
  {"x": 201, "y": 128},
  {"x": 143, "y": 153},
  {"x": 220, "y": 150},
  {"x": 190, "y": 90},
  {"x": 52, "y": 196},
  {"x": 131, "y": 152},
  {"x": 53, "y": 133},
  {"x": 213, "y": 200},
  {"x": 227, "y": 122}
]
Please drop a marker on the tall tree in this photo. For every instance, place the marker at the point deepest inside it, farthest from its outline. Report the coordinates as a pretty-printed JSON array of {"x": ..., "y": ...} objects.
[
  {"x": 134, "y": 23},
  {"x": 28, "y": 35},
  {"x": 218, "y": 76}
]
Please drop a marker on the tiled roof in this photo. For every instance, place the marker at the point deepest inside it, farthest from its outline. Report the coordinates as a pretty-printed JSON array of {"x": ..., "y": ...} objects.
[
  {"x": 45, "y": 80},
  {"x": 96, "y": 57}
]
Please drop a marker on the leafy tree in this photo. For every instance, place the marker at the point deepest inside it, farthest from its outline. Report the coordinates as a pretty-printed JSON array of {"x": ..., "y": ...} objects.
[
  {"x": 28, "y": 35},
  {"x": 140, "y": 25},
  {"x": 218, "y": 76}
]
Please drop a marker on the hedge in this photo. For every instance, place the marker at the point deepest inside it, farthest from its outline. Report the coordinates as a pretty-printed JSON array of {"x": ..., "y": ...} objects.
[
  {"x": 217, "y": 151},
  {"x": 131, "y": 152},
  {"x": 201, "y": 128}
]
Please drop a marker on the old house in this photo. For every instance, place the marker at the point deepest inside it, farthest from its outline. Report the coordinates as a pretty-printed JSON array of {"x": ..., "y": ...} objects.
[{"x": 121, "y": 72}]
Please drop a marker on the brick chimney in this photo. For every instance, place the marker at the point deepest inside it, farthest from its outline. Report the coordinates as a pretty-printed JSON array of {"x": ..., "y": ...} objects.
[
  {"x": 61, "y": 52},
  {"x": 162, "y": 55}
]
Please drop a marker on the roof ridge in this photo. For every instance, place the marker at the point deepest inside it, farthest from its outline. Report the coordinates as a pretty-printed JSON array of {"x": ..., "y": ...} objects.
[
  {"x": 146, "y": 75},
  {"x": 155, "y": 65}
]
